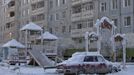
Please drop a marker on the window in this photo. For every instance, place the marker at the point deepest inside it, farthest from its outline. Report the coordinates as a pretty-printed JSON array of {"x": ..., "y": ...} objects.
[
  {"x": 69, "y": 28},
  {"x": 10, "y": 24},
  {"x": 28, "y": 11},
  {"x": 38, "y": 17},
  {"x": 12, "y": 14},
  {"x": 115, "y": 22},
  {"x": 100, "y": 59},
  {"x": 90, "y": 23},
  {"x": 103, "y": 7},
  {"x": 24, "y": 1},
  {"x": 7, "y": 25},
  {"x": 51, "y": 17},
  {"x": 88, "y": 6},
  {"x": 12, "y": 3},
  {"x": 126, "y": 3},
  {"x": 90, "y": 59},
  {"x": 63, "y": 1},
  {"x": 33, "y": 6},
  {"x": 79, "y": 26},
  {"x": 76, "y": 9},
  {"x": 24, "y": 13},
  {"x": 114, "y": 4},
  {"x": 127, "y": 21},
  {"x": 51, "y": 30},
  {"x": 38, "y": 5},
  {"x": 63, "y": 14},
  {"x": 51, "y": 4},
  {"x": 63, "y": 29},
  {"x": 57, "y": 16},
  {"x": 57, "y": 2}
]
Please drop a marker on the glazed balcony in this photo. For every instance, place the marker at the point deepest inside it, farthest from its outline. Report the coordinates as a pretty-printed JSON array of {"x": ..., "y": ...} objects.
[{"x": 75, "y": 2}]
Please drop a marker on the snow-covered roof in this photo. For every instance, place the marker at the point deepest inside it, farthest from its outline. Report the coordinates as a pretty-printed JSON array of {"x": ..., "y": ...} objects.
[
  {"x": 92, "y": 33},
  {"x": 98, "y": 22},
  {"x": 13, "y": 43},
  {"x": 31, "y": 26},
  {"x": 118, "y": 34},
  {"x": 48, "y": 36}
]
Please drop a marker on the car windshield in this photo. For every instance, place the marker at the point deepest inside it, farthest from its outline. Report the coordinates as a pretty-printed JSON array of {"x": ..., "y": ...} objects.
[
  {"x": 75, "y": 58},
  {"x": 100, "y": 59}
]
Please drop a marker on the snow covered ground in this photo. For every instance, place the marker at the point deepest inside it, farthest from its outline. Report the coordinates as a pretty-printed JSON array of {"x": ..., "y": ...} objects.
[{"x": 12, "y": 70}]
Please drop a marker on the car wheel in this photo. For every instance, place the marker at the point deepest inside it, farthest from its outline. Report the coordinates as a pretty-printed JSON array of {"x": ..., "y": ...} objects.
[
  {"x": 70, "y": 74},
  {"x": 102, "y": 74}
]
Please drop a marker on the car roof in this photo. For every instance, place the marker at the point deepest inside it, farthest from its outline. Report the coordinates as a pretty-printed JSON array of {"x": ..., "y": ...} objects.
[{"x": 86, "y": 54}]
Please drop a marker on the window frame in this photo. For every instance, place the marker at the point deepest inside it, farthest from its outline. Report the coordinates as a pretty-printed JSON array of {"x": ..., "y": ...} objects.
[{"x": 127, "y": 21}]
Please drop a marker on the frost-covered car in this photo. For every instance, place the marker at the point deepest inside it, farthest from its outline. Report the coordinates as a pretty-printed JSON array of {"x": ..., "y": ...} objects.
[
  {"x": 116, "y": 67},
  {"x": 86, "y": 63}
]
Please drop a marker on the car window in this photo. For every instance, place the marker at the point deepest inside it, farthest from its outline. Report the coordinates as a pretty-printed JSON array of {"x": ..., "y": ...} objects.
[
  {"x": 90, "y": 59},
  {"x": 75, "y": 58},
  {"x": 100, "y": 59}
]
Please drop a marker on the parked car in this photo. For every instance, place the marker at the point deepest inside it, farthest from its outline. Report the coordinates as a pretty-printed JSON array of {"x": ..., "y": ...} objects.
[
  {"x": 85, "y": 63},
  {"x": 116, "y": 67}
]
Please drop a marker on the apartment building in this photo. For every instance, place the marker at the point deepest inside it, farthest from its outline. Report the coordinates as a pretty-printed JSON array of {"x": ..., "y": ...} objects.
[
  {"x": 83, "y": 17},
  {"x": 59, "y": 21},
  {"x": 122, "y": 13},
  {"x": 9, "y": 21}
]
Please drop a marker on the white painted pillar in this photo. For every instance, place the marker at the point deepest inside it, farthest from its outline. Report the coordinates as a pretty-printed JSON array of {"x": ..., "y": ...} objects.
[
  {"x": 26, "y": 41},
  {"x": 99, "y": 40},
  {"x": 114, "y": 51},
  {"x": 86, "y": 41},
  {"x": 124, "y": 53},
  {"x": 42, "y": 45}
]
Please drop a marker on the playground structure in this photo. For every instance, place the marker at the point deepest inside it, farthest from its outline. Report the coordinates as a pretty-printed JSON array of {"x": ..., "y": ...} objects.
[{"x": 105, "y": 23}]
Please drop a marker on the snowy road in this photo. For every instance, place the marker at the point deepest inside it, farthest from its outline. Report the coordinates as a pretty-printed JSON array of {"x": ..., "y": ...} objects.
[{"x": 39, "y": 71}]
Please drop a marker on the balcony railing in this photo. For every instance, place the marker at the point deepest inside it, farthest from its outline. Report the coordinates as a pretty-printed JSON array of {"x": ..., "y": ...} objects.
[
  {"x": 82, "y": 15},
  {"x": 74, "y": 2}
]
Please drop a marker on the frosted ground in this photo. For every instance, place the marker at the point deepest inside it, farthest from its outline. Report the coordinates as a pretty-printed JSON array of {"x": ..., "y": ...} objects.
[{"x": 12, "y": 70}]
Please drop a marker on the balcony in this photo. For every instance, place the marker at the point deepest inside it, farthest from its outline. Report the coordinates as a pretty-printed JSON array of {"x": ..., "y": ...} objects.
[
  {"x": 82, "y": 15},
  {"x": 80, "y": 32},
  {"x": 11, "y": 8},
  {"x": 75, "y": 2},
  {"x": 10, "y": 19}
]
